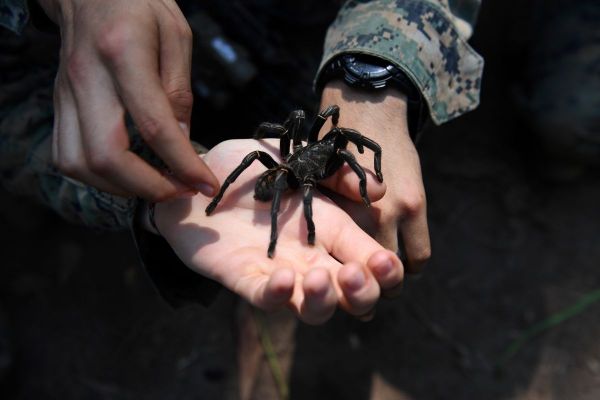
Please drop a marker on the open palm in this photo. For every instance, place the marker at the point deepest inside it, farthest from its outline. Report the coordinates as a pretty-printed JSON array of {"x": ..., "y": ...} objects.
[{"x": 345, "y": 267}]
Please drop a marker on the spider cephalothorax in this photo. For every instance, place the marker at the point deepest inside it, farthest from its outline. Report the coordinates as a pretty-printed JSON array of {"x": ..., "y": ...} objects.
[{"x": 305, "y": 165}]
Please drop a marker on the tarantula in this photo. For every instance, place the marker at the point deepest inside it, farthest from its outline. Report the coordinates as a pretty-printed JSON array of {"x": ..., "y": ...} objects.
[{"x": 304, "y": 166}]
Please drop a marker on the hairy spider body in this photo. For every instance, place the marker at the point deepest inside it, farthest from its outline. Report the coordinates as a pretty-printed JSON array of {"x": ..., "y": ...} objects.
[
  {"x": 307, "y": 163},
  {"x": 304, "y": 166}
]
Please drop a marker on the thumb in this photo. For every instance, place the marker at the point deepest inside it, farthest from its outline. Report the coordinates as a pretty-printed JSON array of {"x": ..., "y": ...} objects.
[{"x": 346, "y": 183}]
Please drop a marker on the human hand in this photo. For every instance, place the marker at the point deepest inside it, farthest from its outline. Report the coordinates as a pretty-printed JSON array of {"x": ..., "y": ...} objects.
[
  {"x": 344, "y": 268},
  {"x": 402, "y": 211},
  {"x": 121, "y": 56}
]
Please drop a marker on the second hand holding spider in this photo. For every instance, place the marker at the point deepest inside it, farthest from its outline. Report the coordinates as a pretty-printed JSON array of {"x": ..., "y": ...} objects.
[
  {"x": 305, "y": 165},
  {"x": 346, "y": 268}
]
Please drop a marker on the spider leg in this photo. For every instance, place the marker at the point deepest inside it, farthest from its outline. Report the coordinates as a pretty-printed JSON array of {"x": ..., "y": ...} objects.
[
  {"x": 263, "y": 157},
  {"x": 349, "y": 158},
  {"x": 268, "y": 129},
  {"x": 293, "y": 123},
  {"x": 331, "y": 111},
  {"x": 360, "y": 140},
  {"x": 360, "y": 148},
  {"x": 280, "y": 187},
  {"x": 309, "y": 184}
]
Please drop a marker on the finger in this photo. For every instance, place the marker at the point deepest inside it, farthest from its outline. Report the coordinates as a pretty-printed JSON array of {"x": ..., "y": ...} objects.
[
  {"x": 359, "y": 288},
  {"x": 267, "y": 291},
  {"x": 346, "y": 182},
  {"x": 388, "y": 271},
  {"x": 349, "y": 243},
  {"x": 415, "y": 237},
  {"x": 277, "y": 290},
  {"x": 133, "y": 61},
  {"x": 69, "y": 153},
  {"x": 386, "y": 232},
  {"x": 320, "y": 298},
  {"x": 172, "y": 6},
  {"x": 175, "y": 63},
  {"x": 106, "y": 140}
]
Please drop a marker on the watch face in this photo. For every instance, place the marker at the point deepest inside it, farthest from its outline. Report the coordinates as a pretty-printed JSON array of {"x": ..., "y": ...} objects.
[{"x": 364, "y": 70}]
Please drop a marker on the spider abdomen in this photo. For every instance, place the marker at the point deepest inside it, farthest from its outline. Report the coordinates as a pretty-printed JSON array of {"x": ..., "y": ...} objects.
[
  {"x": 314, "y": 161},
  {"x": 265, "y": 184}
]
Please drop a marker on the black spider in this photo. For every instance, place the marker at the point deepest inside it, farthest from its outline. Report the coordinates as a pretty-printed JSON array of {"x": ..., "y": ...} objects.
[{"x": 305, "y": 166}]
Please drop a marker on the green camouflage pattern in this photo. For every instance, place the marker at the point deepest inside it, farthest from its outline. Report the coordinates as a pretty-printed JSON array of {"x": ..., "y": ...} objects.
[
  {"x": 26, "y": 119},
  {"x": 13, "y": 14},
  {"x": 26, "y": 166},
  {"x": 26, "y": 123},
  {"x": 425, "y": 38}
]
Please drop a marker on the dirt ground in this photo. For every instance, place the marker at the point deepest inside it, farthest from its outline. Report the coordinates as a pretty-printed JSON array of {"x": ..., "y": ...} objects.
[{"x": 509, "y": 250}]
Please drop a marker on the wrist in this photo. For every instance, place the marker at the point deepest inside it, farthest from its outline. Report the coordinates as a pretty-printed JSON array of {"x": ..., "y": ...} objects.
[
  {"x": 380, "y": 116},
  {"x": 370, "y": 73},
  {"x": 379, "y": 113}
]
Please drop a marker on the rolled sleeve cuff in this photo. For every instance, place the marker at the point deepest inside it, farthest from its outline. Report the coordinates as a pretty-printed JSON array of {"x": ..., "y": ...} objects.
[{"x": 417, "y": 36}]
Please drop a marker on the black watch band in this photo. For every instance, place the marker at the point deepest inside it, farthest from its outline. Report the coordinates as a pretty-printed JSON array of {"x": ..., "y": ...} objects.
[{"x": 368, "y": 72}]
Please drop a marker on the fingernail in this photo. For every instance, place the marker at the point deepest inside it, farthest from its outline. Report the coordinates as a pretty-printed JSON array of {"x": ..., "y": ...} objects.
[
  {"x": 384, "y": 268},
  {"x": 184, "y": 127},
  {"x": 357, "y": 281},
  {"x": 319, "y": 292},
  {"x": 205, "y": 189}
]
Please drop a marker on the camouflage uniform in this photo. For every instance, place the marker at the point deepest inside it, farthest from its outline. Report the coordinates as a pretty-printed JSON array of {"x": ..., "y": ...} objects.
[{"x": 426, "y": 38}]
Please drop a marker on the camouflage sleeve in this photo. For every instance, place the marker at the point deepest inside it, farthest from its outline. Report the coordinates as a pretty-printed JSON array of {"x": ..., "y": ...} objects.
[
  {"x": 13, "y": 14},
  {"x": 425, "y": 38},
  {"x": 26, "y": 119},
  {"x": 26, "y": 167}
]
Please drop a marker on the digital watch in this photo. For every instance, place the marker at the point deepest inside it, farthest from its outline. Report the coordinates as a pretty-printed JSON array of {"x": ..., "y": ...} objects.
[{"x": 368, "y": 72}]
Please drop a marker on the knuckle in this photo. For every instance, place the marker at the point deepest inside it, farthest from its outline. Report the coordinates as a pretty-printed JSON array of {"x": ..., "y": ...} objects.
[
  {"x": 413, "y": 203},
  {"x": 421, "y": 256},
  {"x": 101, "y": 163},
  {"x": 179, "y": 25},
  {"x": 150, "y": 129},
  {"x": 115, "y": 40},
  {"x": 69, "y": 167},
  {"x": 182, "y": 97}
]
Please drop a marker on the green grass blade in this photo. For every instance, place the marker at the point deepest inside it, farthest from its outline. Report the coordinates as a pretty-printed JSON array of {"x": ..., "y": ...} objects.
[
  {"x": 550, "y": 322},
  {"x": 271, "y": 355}
]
